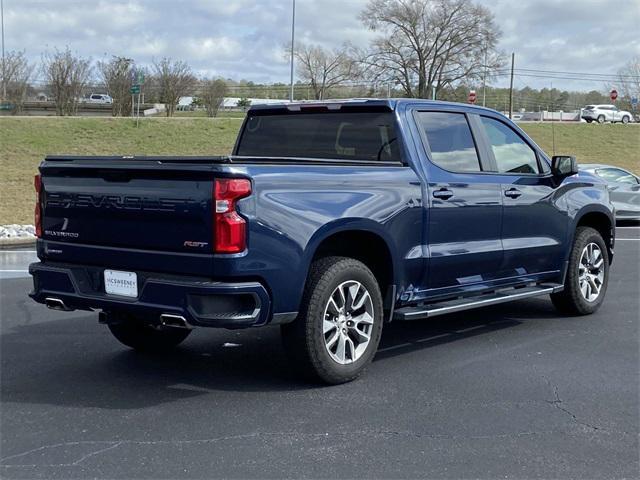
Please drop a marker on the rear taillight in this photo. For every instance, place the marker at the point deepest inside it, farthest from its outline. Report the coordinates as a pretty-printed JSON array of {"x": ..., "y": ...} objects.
[
  {"x": 230, "y": 228},
  {"x": 37, "y": 183}
]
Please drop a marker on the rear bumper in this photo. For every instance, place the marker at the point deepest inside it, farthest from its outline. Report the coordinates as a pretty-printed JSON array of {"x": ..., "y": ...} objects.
[{"x": 201, "y": 302}]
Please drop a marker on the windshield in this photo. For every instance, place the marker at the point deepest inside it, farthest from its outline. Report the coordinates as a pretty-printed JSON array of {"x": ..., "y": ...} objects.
[{"x": 367, "y": 136}]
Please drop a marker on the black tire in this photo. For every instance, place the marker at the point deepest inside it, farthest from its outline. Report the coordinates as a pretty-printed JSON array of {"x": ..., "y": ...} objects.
[
  {"x": 601, "y": 119},
  {"x": 625, "y": 119},
  {"x": 304, "y": 339},
  {"x": 145, "y": 337},
  {"x": 571, "y": 300},
  {"x": 589, "y": 121}
]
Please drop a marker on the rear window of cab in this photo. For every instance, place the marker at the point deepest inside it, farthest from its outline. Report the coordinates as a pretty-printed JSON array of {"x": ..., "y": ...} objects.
[{"x": 367, "y": 136}]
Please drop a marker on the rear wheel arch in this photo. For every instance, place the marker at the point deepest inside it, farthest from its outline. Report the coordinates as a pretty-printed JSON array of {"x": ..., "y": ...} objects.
[{"x": 365, "y": 245}]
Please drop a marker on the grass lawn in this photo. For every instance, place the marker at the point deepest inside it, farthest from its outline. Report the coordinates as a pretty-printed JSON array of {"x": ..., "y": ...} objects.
[
  {"x": 25, "y": 141},
  {"x": 616, "y": 144}
]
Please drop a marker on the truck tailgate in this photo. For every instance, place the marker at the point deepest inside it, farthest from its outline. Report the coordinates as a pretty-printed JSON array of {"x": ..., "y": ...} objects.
[{"x": 135, "y": 204}]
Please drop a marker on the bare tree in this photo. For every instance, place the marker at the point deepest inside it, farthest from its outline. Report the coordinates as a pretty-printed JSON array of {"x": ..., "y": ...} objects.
[
  {"x": 629, "y": 79},
  {"x": 16, "y": 72},
  {"x": 324, "y": 69},
  {"x": 117, "y": 75},
  {"x": 174, "y": 80},
  {"x": 212, "y": 95},
  {"x": 427, "y": 45},
  {"x": 67, "y": 77}
]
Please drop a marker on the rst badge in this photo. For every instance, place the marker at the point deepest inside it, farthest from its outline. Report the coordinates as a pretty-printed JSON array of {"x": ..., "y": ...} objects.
[{"x": 190, "y": 244}]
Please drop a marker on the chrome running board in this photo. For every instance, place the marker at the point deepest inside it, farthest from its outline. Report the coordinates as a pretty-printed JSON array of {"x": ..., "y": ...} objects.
[{"x": 461, "y": 304}]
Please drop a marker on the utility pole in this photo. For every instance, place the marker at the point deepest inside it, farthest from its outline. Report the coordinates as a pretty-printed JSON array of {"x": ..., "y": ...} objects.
[
  {"x": 293, "y": 39},
  {"x": 484, "y": 80},
  {"x": 513, "y": 59},
  {"x": 4, "y": 65}
]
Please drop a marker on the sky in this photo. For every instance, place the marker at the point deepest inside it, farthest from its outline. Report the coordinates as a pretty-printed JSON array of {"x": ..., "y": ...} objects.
[{"x": 245, "y": 39}]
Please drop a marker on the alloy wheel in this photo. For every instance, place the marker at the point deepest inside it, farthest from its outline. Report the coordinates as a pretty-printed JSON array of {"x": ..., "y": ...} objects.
[
  {"x": 348, "y": 322},
  {"x": 591, "y": 272}
]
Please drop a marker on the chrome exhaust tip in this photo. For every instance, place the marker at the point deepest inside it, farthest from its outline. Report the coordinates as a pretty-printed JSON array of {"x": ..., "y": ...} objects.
[
  {"x": 56, "y": 304},
  {"x": 174, "y": 321}
]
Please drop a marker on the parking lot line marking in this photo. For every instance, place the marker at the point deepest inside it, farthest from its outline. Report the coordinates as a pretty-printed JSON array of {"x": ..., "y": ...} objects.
[
  {"x": 14, "y": 271},
  {"x": 18, "y": 251},
  {"x": 627, "y": 239}
]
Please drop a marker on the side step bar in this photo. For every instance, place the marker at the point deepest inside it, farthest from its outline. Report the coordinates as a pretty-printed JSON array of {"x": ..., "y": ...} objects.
[{"x": 460, "y": 304}]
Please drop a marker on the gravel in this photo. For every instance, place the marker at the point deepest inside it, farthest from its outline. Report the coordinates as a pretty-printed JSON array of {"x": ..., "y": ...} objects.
[{"x": 17, "y": 231}]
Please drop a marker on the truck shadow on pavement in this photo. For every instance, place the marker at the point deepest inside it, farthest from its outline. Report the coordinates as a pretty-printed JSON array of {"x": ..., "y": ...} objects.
[{"x": 76, "y": 362}]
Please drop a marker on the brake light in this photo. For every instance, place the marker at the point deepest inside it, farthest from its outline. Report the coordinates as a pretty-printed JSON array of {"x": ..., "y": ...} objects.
[
  {"x": 230, "y": 228},
  {"x": 37, "y": 183}
]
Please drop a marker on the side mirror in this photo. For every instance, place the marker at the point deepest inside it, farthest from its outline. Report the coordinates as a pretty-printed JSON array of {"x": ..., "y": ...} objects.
[{"x": 564, "y": 165}]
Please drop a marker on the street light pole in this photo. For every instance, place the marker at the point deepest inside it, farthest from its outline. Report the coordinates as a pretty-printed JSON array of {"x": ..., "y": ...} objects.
[
  {"x": 293, "y": 39},
  {"x": 4, "y": 71},
  {"x": 484, "y": 80}
]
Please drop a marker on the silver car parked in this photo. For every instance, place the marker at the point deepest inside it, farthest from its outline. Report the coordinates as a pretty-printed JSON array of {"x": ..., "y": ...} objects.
[
  {"x": 624, "y": 189},
  {"x": 605, "y": 113}
]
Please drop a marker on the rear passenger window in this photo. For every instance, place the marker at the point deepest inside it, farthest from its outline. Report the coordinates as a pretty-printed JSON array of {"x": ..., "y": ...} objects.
[
  {"x": 512, "y": 153},
  {"x": 450, "y": 141}
]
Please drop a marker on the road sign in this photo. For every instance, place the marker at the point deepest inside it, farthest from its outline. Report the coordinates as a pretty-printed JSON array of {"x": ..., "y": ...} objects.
[
  {"x": 134, "y": 90},
  {"x": 472, "y": 97},
  {"x": 613, "y": 95},
  {"x": 140, "y": 77},
  {"x": 634, "y": 103}
]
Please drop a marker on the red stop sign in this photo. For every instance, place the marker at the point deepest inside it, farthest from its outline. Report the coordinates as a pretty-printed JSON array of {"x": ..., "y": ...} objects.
[
  {"x": 472, "y": 96},
  {"x": 613, "y": 95}
]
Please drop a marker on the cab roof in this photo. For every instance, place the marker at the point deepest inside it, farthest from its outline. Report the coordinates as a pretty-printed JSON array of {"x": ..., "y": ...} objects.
[{"x": 390, "y": 104}]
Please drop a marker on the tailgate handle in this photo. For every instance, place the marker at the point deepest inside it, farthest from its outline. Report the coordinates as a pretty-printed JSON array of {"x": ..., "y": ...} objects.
[{"x": 120, "y": 177}]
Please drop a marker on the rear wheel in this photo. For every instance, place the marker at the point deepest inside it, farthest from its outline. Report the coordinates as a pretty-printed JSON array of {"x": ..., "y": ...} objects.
[
  {"x": 589, "y": 120},
  {"x": 337, "y": 332},
  {"x": 601, "y": 118},
  {"x": 625, "y": 119},
  {"x": 587, "y": 277},
  {"x": 146, "y": 337}
]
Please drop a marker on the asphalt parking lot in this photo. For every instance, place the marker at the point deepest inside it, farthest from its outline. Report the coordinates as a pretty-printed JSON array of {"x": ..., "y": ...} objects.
[{"x": 512, "y": 391}]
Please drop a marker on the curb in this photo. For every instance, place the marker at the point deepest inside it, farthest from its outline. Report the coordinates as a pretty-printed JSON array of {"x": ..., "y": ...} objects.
[{"x": 17, "y": 242}]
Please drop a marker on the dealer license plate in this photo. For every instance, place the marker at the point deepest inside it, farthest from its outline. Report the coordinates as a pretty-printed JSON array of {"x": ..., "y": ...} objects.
[{"x": 124, "y": 284}]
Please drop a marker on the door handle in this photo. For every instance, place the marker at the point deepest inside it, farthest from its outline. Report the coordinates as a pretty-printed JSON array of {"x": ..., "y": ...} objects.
[
  {"x": 443, "y": 194},
  {"x": 513, "y": 193}
]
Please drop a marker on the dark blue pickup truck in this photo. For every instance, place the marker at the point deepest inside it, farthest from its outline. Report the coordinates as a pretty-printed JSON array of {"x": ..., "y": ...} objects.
[{"x": 328, "y": 219}]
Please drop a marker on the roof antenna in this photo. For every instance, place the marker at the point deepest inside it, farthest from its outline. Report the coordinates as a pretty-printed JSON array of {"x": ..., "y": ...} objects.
[{"x": 553, "y": 123}]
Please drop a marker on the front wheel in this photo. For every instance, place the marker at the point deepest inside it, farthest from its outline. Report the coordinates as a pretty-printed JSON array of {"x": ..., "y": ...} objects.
[
  {"x": 587, "y": 276},
  {"x": 601, "y": 119},
  {"x": 337, "y": 332}
]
